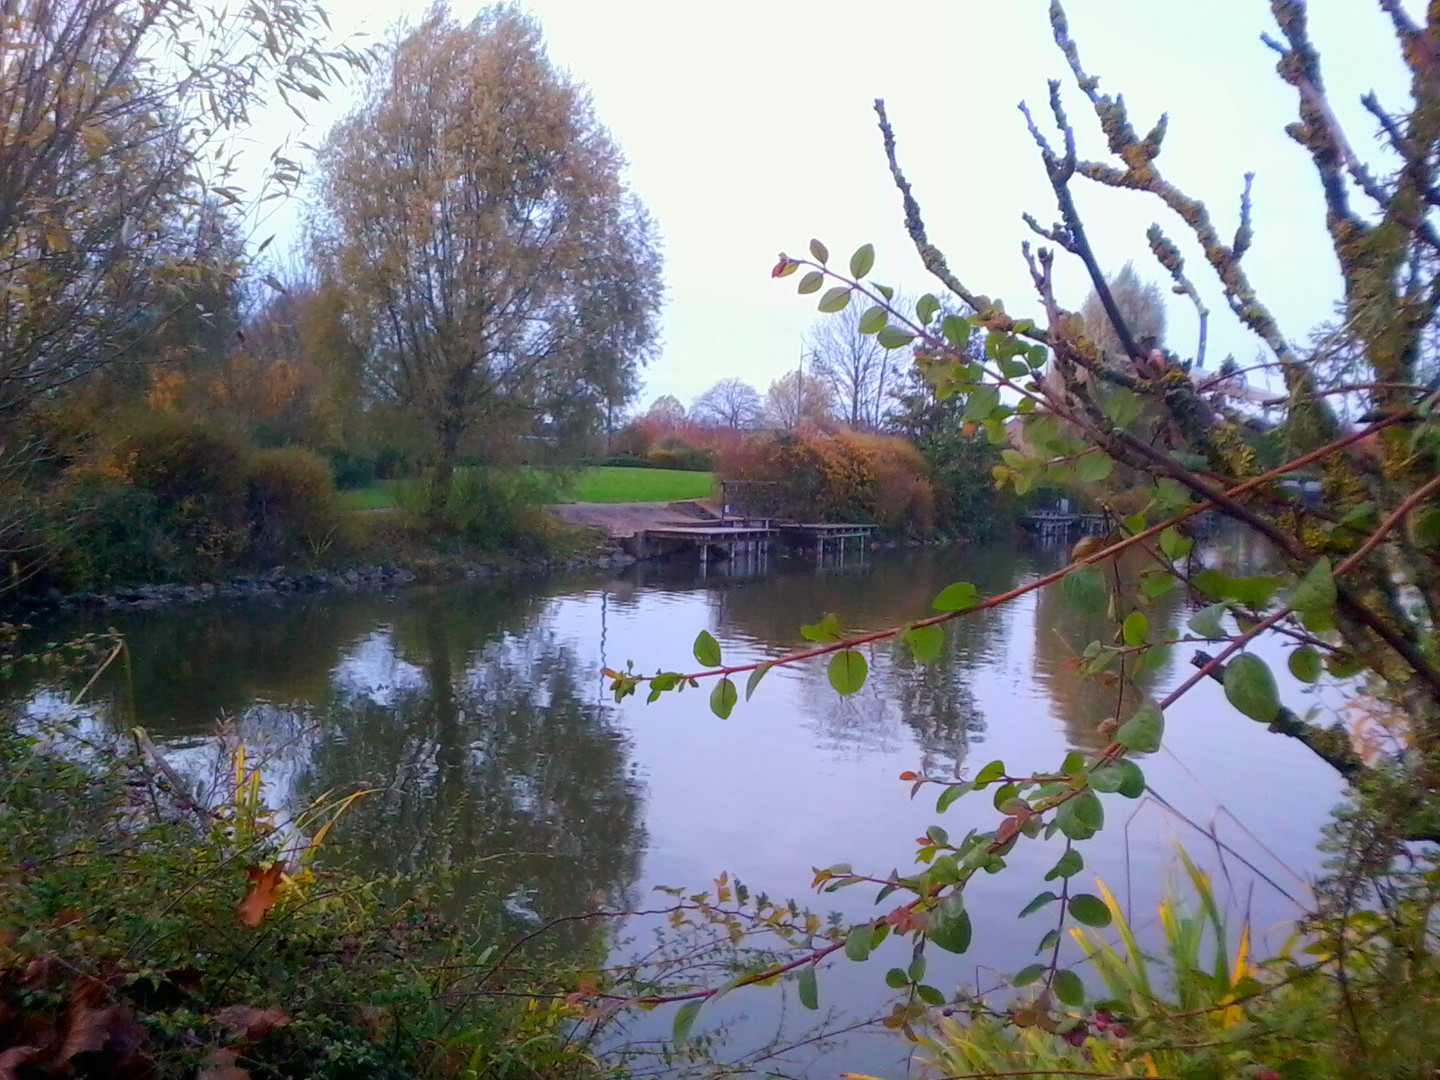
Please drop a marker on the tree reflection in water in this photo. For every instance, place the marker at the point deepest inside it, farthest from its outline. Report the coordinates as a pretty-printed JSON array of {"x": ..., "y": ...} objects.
[{"x": 498, "y": 767}]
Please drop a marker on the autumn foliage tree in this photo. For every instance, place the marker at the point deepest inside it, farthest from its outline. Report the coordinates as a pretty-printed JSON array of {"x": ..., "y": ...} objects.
[
  {"x": 495, "y": 266},
  {"x": 111, "y": 158}
]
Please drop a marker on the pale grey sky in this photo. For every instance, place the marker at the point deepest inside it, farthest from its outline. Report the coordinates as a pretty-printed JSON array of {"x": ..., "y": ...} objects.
[{"x": 748, "y": 128}]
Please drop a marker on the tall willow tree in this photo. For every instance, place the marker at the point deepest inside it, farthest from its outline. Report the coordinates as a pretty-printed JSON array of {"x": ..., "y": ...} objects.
[{"x": 496, "y": 267}]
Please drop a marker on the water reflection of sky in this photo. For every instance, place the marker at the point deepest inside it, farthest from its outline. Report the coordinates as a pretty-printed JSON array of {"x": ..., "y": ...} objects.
[
  {"x": 482, "y": 715},
  {"x": 372, "y": 669}
]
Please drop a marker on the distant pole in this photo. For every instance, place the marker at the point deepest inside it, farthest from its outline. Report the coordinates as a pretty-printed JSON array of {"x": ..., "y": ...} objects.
[{"x": 800, "y": 388}]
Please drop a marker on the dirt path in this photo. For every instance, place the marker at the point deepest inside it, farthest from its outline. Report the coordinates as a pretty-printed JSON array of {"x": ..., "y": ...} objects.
[{"x": 620, "y": 521}]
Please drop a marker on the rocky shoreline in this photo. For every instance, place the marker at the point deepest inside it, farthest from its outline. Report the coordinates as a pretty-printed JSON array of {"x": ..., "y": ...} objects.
[{"x": 288, "y": 581}]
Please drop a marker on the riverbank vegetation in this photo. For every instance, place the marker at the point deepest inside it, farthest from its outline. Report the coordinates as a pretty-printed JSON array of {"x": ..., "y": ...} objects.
[
  {"x": 163, "y": 415},
  {"x": 150, "y": 929}
]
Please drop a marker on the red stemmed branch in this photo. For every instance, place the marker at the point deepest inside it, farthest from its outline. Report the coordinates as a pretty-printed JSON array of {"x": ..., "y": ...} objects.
[{"x": 1114, "y": 751}]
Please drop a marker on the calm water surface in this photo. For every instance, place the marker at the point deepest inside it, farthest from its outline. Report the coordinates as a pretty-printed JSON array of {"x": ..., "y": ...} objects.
[{"x": 480, "y": 714}]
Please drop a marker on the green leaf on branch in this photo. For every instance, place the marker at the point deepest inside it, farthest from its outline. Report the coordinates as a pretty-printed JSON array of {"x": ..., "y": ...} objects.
[
  {"x": 1094, "y": 467},
  {"x": 1085, "y": 588},
  {"x": 809, "y": 989},
  {"x": 1156, "y": 583},
  {"x": 835, "y": 299},
  {"x": 1027, "y": 975},
  {"x": 982, "y": 402},
  {"x": 819, "y": 251},
  {"x": 685, "y": 1020},
  {"x": 826, "y": 630},
  {"x": 990, "y": 772},
  {"x": 1255, "y": 592},
  {"x": 810, "y": 282},
  {"x": 1068, "y": 988},
  {"x": 1068, "y": 865},
  {"x": 955, "y": 597},
  {"x": 1305, "y": 664},
  {"x": 956, "y": 330},
  {"x": 925, "y": 643},
  {"x": 930, "y": 995},
  {"x": 1135, "y": 628},
  {"x": 893, "y": 337},
  {"x": 707, "y": 649},
  {"x": 857, "y": 944},
  {"x": 950, "y": 794},
  {"x": 1316, "y": 590},
  {"x": 1081, "y": 816},
  {"x": 862, "y": 261},
  {"x": 1250, "y": 687},
  {"x": 754, "y": 680},
  {"x": 874, "y": 320},
  {"x": 1121, "y": 776},
  {"x": 1142, "y": 733},
  {"x": 847, "y": 671},
  {"x": 1044, "y": 899},
  {"x": 925, "y": 308},
  {"x": 723, "y": 698},
  {"x": 1206, "y": 622},
  {"x": 950, "y": 925},
  {"x": 1175, "y": 544},
  {"x": 895, "y": 978},
  {"x": 1122, "y": 407},
  {"x": 1090, "y": 910},
  {"x": 1425, "y": 529}
]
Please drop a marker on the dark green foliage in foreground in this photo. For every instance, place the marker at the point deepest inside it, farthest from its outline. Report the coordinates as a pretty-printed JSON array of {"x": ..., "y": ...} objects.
[{"x": 123, "y": 953}]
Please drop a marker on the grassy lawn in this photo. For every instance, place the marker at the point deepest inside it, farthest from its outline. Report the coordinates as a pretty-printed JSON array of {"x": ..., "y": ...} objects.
[
  {"x": 375, "y": 497},
  {"x": 611, "y": 484},
  {"x": 602, "y": 484}
]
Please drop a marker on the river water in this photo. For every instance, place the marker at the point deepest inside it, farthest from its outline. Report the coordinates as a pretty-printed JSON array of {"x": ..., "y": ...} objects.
[{"x": 479, "y": 714}]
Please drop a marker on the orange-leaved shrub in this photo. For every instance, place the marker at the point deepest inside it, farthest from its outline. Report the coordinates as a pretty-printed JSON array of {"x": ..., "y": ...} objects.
[
  {"x": 292, "y": 506},
  {"x": 839, "y": 476}
]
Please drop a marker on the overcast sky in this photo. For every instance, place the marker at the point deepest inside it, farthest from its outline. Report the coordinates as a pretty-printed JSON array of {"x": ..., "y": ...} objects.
[{"x": 749, "y": 129}]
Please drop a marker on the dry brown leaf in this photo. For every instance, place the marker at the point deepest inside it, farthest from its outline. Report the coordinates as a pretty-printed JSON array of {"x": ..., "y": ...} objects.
[
  {"x": 250, "y": 1022},
  {"x": 261, "y": 888},
  {"x": 221, "y": 1066},
  {"x": 37, "y": 972},
  {"x": 110, "y": 1029},
  {"x": 13, "y": 1058}
]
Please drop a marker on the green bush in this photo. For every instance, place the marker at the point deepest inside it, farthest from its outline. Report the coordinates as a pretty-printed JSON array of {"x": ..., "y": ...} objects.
[
  {"x": 492, "y": 509},
  {"x": 675, "y": 453},
  {"x": 133, "y": 945},
  {"x": 104, "y": 532},
  {"x": 291, "y": 505}
]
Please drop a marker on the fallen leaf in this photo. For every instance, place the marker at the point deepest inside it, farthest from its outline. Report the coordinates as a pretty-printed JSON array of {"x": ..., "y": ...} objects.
[
  {"x": 13, "y": 1058},
  {"x": 37, "y": 972},
  {"x": 262, "y": 886},
  {"x": 221, "y": 1066},
  {"x": 250, "y": 1022},
  {"x": 110, "y": 1029}
]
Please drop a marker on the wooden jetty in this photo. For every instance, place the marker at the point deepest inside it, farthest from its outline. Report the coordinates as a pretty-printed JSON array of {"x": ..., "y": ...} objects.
[
  {"x": 733, "y": 541},
  {"x": 1054, "y": 525},
  {"x": 816, "y": 535},
  {"x": 740, "y": 535}
]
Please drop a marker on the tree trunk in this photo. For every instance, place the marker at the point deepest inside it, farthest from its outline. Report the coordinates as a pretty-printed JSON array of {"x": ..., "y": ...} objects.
[{"x": 443, "y": 480}]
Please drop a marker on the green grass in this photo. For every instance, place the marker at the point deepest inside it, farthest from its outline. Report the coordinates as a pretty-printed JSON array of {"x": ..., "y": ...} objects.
[
  {"x": 374, "y": 497},
  {"x": 613, "y": 484},
  {"x": 601, "y": 484}
]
